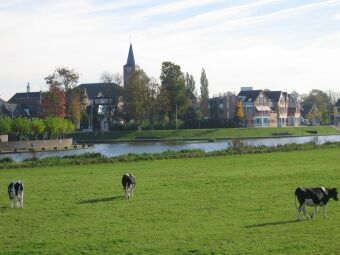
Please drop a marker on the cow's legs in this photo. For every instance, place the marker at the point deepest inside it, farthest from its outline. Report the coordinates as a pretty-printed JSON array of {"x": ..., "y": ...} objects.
[
  {"x": 303, "y": 208},
  {"x": 11, "y": 203},
  {"x": 324, "y": 211},
  {"x": 298, "y": 214},
  {"x": 316, "y": 208},
  {"x": 21, "y": 202}
]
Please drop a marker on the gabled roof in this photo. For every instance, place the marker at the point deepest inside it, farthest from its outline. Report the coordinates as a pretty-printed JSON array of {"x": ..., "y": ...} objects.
[
  {"x": 131, "y": 59},
  {"x": 249, "y": 95},
  {"x": 274, "y": 96},
  {"x": 107, "y": 90},
  {"x": 24, "y": 95},
  {"x": 338, "y": 103},
  {"x": 7, "y": 108}
]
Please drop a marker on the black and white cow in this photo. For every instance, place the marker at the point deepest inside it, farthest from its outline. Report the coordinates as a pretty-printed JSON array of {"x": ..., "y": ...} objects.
[
  {"x": 16, "y": 193},
  {"x": 314, "y": 197},
  {"x": 129, "y": 183}
]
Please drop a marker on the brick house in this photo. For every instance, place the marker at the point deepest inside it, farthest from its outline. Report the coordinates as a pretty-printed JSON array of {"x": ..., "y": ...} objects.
[
  {"x": 222, "y": 106},
  {"x": 256, "y": 106},
  {"x": 294, "y": 109},
  {"x": 265, "y": 108}
]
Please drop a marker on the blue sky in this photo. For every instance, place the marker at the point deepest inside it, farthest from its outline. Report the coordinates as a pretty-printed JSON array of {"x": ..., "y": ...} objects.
[{"x": 275, "y": 44}]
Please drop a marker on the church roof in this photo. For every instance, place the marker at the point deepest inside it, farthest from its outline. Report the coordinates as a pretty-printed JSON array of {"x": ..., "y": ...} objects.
[
  {"x": 24, "y": 95},
  {"x": 106, "y": 90},
  {"x": 131, "y": 59}
]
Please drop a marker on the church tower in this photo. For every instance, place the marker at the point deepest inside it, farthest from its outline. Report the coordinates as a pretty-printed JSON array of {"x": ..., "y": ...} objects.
[{"x": 130, "y": 66}]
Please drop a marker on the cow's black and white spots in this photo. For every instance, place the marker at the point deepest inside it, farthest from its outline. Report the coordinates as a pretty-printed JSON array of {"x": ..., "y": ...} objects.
[
  {"x": 16, "y": 194},
  {"x": 129, "y": 183},
  {"x": 314, "y": 197}
]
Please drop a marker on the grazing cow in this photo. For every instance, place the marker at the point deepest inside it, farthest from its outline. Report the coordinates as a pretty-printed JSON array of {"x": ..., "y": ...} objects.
[
  {"x": 314, "y": 197},
  {"x": 16, "y": 193},
  {"x": 129, "y": 183}
]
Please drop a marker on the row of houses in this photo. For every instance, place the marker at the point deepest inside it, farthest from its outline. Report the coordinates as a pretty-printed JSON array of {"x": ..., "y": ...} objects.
[{"x": 262, "y": 108}]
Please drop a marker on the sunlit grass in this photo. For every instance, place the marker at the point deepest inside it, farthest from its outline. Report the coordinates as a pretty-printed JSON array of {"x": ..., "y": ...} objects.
[{"x": 240, "y": 204}]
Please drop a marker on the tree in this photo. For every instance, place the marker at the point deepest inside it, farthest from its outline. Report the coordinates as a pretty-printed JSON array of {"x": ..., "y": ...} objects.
[
  {"x": 239, "y": 112},
  {"x": 190, "y": 83},
  {"x": 204, "y": 93},
  {"x": 52, "y": 126},
  {"x": 137, "y": 96},
  {"x": 37, "y": 127},
  {"x": 321, "y": 102},
  {"x": 5, "y": 125},
  {"x": 21, "y": 126},
  {"x": 173, "y": 83},
  {"x": 107, "y": 77},
  {"x": 64, "y": 79},
  {"x": 53, "y": 103},
  {"x": 77, "y": 105},
  {"x": 151, "y": 101}
]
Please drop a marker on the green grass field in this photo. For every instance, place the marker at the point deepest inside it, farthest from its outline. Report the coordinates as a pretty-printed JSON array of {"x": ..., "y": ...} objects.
[
  {"x": 202, "y": 133},
  {"x": 241, "y": 204}
]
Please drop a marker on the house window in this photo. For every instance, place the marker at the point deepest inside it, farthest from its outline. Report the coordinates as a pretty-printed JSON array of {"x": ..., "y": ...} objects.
[{"x": 220, "y": 106}]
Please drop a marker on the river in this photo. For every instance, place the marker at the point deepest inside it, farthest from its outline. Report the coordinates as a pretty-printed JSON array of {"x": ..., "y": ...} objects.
[{"x": 117, "y": 149}]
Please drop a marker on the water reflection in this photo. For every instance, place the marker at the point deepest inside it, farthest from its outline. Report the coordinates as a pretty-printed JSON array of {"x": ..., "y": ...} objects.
[{"x": 117, "y": 149}]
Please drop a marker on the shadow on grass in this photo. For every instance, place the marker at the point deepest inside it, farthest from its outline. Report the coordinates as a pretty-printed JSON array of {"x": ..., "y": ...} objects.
[
  {"x": 274, "y": 223},
  {"x": 100, "y": 200}
]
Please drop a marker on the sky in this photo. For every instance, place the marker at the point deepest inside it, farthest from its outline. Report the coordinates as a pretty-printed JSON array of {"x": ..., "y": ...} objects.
[{"x": 265, "y": 44}]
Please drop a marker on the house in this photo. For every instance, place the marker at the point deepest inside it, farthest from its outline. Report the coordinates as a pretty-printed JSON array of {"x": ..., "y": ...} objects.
[
  {"x": 278, "y": 108},
  {"x": 265, "y": 108},
  {"x": 257, "y": 109},
  {"x": 294, "y": 109},
  {"x": 8, "y": 109},
  {"x": 103, "y": 102},
  {"x": 29, "y": 104},
  {"x": 222, "y": 106},
  {"x": 337, "y": 112}
]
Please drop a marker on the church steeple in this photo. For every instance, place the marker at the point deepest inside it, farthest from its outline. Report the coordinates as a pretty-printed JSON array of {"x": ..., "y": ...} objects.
[
  {"x": 130, "y": 66},
  {"x": 28, "y": 87},
  {"x": 131, "y": 59}
]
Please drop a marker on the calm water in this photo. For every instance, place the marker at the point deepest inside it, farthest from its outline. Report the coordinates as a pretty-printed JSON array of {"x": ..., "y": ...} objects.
[{"x": 116, "y": 149}]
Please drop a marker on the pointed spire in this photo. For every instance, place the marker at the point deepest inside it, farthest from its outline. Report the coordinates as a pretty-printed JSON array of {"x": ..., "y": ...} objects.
[
  {"x": 131, "y": 59},
  {"x": 28, "y": 87}
]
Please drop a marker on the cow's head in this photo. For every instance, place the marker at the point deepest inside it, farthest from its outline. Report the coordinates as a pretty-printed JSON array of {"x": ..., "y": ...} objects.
[{"x": 334, "y": 194}]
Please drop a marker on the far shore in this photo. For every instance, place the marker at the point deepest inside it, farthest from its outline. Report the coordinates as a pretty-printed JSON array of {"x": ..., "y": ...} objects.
[{"x": 199, "y": 134}]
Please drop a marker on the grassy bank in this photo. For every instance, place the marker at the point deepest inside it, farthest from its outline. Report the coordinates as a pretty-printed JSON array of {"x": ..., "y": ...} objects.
[
  {"x": 241, "y": 204},
  {"x": 202, "y": 133}
]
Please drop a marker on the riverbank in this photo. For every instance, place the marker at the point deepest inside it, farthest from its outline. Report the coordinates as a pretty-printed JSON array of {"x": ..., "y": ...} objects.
[
  {"x": 237, "y": 148},
  {"x": 199, "y": 134}
]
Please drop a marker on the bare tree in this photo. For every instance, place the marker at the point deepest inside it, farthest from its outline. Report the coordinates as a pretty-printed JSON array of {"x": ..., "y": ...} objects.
[{"x": 107, "y": 77}]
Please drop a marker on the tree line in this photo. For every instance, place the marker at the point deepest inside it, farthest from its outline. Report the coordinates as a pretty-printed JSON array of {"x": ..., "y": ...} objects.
[{"x": 35, "y": 128}]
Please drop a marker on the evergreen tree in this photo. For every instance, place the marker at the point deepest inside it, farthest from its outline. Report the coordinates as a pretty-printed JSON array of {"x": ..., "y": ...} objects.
[{"x": 204, "y": 94}]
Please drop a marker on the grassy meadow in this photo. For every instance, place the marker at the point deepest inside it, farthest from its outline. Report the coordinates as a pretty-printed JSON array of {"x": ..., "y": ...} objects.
[
  {"x": 202, "y": 133},
  {"x": 241, "y": 204}
]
